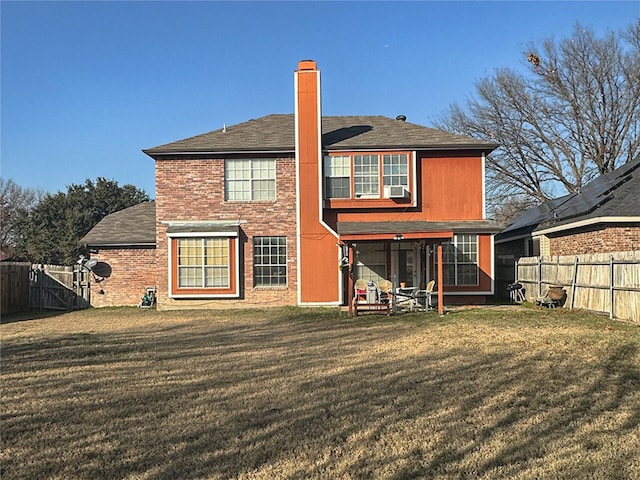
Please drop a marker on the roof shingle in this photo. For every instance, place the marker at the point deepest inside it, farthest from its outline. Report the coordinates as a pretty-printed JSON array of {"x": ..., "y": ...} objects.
[
  {"x": 131, "y": 226},
  {"x": 277, "y": 133}
]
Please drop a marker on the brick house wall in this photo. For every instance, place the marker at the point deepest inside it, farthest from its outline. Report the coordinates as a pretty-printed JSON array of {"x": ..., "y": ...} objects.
[
  {"x": 132, "y": 271},
  {"x": 193, "y": 189},
  {"x": 599, "y": 239}
]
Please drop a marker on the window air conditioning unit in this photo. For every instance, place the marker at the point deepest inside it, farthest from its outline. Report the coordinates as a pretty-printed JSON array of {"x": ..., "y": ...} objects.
[{"x": 395, "y": 192}]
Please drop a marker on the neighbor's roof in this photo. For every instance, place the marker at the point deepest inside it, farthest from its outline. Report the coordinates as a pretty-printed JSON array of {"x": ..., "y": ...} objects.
[
  {"x": 276, "y": 133},
  {"x": 614, "y": 194},
  {"x": 128, "y": 227}
]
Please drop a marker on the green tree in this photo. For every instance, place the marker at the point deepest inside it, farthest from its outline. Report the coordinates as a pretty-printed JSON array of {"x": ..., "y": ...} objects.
[
  {"x": 50, "y": 231},
  {"x": 573, "y": 116},
  {"x": 13, "y": 200}
]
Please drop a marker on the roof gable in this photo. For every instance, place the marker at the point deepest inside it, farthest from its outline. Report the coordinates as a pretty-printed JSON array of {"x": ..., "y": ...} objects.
[{"x": 276, "y": 133}]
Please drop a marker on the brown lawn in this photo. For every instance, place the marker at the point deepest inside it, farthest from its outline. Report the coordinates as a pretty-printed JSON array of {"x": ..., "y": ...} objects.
[{"x": 518, "y": 393}]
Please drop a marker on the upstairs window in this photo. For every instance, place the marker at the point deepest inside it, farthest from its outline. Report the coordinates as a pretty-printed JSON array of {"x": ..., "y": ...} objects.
[
  {"x": 367, "y": 176},
  {"x": 338, "y": 176},
  {"x": 250, "y": 179},
  {"x": 395, "y": 170}
]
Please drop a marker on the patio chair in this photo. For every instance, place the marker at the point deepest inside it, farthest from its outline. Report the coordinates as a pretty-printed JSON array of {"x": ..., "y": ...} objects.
[
  {"x": 360, "y": 291},
  {"x": 384, "y": 286},
  {"x": 423, "y": 297}
]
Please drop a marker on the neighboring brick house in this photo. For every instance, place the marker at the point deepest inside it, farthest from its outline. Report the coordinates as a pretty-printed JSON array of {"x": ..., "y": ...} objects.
[
  {"x": 603, "y": 217},
  {"x": 126, "y": 241},
  {"x": 281, "y": 209}
]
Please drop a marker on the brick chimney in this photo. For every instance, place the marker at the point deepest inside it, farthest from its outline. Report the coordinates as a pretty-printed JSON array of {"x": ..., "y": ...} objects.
[{"x": 318, "y": 278}]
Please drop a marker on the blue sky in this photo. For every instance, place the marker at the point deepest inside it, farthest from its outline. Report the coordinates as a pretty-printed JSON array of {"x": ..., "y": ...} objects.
[{"x": 87, "y": 85}]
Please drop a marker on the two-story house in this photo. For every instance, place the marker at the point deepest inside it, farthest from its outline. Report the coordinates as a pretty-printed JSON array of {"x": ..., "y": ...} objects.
[{"x": 290, "y": 209}]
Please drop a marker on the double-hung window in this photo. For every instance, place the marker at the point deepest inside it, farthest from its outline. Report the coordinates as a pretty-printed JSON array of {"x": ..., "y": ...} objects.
[
  {"x": 250, "y": 179},
  {"x": 460, "y": 260},
  {"x": 338, "y": 176},
  {"x": 367, "y": 175},
  {"x": 270, "y": 261},
  {"x": 395, "y": 170}
]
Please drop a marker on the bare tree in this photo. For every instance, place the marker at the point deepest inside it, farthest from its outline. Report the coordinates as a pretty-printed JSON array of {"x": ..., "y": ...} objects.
[
  {"x": 14, "y": 199},
  {"x": 575, "y": 115}
]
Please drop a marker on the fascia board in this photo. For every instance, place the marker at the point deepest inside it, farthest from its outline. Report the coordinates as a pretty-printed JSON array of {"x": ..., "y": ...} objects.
[{"x": 584, "y": 223}]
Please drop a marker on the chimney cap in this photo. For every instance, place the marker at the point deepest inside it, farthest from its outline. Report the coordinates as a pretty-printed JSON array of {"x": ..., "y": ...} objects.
[
  {"x": 402, "y": 118},
  {"x": 307, "y": 65}
]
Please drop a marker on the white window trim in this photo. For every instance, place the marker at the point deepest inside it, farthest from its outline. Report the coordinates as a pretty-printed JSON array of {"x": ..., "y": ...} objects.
[
  {"x": 224, "y": 234},
  {"x": 476, "y": 263},
  {"x": 412, "y": 162},
  {"x": 252, "y": 200}
]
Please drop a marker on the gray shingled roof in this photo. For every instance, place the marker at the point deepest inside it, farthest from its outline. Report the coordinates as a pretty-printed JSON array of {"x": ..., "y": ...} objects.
[
  {"x": 276, "y": 133},
  {"x": 614, "y": 194},
  {"x": 131, "y": 226},
  {"x": 475, "y": 226}
]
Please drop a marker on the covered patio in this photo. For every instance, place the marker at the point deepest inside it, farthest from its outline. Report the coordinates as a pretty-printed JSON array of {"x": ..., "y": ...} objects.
[{"x": 407, "y": 254}]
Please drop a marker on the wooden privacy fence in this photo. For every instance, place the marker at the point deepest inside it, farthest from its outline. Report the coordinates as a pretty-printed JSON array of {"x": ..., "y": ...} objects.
[
  {"x": 59, "y": 287},
  {"x": 14, "y": 287},
  {"x": 604, "y": 282},
  {"x": 27, "y": 287}
]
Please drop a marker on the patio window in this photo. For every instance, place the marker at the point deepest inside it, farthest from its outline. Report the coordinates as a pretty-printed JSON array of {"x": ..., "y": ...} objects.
[
  {"x": 250, "y": 179},
  {"x": 270, "y": 261},
  {"x": 460, "y": 260}
]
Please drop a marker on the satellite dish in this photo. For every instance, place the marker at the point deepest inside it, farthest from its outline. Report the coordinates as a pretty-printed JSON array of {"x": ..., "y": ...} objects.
[
  {"x": 101, "y": 269},
  {"x": 91, "y": 263}
]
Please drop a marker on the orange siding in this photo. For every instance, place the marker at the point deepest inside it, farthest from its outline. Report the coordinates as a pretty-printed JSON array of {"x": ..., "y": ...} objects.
[
  {"x": 452, "y": 187},
  {"x": 318, "y": 267}
]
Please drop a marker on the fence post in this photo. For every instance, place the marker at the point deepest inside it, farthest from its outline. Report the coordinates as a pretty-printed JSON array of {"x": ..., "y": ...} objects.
[
  {"x": 611, "y": 291},
  {"x": 540, "y": 276},
  {"x": 41, "y": 286},
  {"x": 573, "y": 282}
]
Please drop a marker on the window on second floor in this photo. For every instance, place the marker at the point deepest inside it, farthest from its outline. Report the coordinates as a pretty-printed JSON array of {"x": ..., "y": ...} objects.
[
  {"x": 365, "y": 175},
  {"x": 250, "y": 179},
  {"x": 338, "y": 176}
]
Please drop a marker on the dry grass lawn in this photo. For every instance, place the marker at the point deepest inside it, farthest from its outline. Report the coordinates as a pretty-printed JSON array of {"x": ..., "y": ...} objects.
[{"x": 486, "y": 393}]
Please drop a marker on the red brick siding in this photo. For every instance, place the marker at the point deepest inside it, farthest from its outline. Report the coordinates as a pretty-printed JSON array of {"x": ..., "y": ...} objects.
[
  {"x": 132, "y": 270},
  {"x": 194, "y": 190},
  {"x": 600, "y": 239}
]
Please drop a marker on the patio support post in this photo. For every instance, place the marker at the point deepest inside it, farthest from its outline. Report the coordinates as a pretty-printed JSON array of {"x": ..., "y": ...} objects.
[
  {"x": 350, "y": 285},
  {"x": 440, "y": 279}
]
